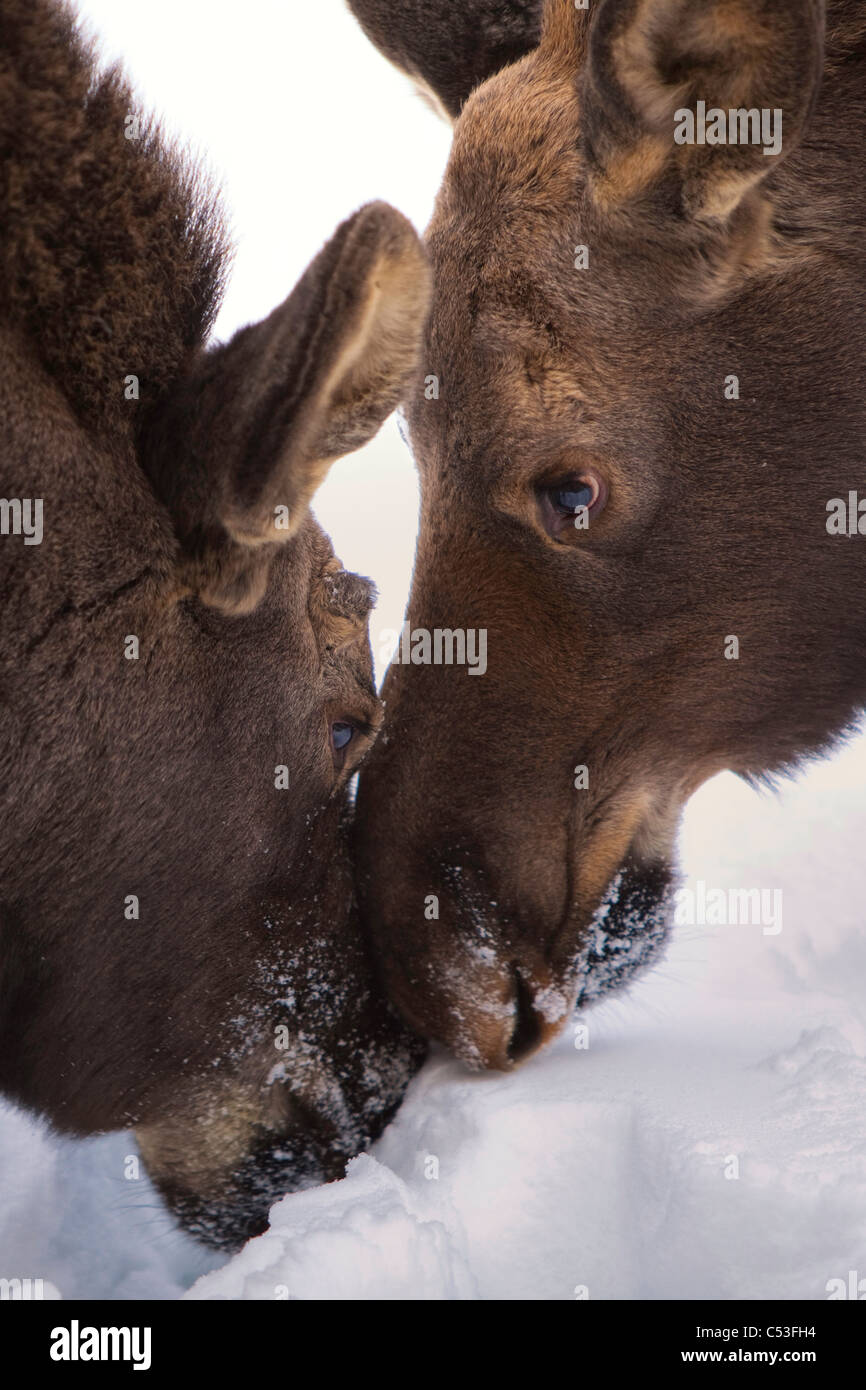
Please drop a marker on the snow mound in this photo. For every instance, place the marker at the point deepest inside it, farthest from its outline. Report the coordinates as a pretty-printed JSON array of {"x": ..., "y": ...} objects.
[{"x": 370, "y": 1223}]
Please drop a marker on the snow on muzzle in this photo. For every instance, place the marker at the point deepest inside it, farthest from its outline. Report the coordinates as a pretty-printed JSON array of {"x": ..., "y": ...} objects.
[{"x": 494, "y": 988}]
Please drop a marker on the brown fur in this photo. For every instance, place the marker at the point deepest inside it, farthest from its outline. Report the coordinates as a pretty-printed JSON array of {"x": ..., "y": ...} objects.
[
  {"x": 156, "y": 777},
  {"x": 606, "y": 646},
  {"x": 462, "y": 44}
]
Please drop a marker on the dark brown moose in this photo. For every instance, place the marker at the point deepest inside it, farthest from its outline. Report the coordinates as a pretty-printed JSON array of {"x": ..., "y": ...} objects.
[
  {"x": 185, "y": 672},
  {"x": 639, "y": 427}
]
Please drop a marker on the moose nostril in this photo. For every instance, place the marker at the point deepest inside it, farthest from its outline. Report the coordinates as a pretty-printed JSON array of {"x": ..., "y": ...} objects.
[{"x": 527, "y": 1034}]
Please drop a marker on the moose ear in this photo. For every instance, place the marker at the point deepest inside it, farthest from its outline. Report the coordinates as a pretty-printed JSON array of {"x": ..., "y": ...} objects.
[
  {"x": 701, "y": 97},
  {"x": 449, "y": 46},
  {"x": 250, "y": 431}
]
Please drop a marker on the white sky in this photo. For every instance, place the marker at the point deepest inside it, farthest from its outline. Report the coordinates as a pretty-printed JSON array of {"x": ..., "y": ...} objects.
[{"x": 301, "y": 121}]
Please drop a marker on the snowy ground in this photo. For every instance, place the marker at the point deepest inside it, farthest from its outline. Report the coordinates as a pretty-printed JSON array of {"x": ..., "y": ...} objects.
[{"x": 606, "y": 1169}]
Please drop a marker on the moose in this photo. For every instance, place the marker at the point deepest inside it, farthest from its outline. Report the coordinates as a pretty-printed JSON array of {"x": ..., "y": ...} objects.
[
  {"x": 649, "y": 358},
  {"x": 185, "y": 670}
]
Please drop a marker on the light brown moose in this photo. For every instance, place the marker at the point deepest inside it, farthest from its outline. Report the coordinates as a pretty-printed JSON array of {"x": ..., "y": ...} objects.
[
  {"x": 641, "y": 401},
  {"x": 185, "y": 672}
]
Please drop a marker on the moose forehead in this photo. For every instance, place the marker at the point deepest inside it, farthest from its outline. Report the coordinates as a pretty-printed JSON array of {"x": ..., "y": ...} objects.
[
  {"x": 560, "y": 326},
  {"x": 524, "y": 326},
  {"x": 543, "y": 364},
  {"x": 516, "y": 142}
]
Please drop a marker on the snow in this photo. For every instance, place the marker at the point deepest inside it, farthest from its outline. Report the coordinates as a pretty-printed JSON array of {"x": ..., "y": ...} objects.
[{"x": 699, "y": 1136}]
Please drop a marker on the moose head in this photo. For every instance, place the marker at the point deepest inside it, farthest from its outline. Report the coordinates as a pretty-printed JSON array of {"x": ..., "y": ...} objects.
[
  {"x": 186, "y": 676},
  {"x": 638, "y": 413}
]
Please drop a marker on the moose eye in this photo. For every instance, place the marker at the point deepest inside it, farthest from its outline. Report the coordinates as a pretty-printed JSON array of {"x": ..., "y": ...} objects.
[
  {"x": 568, "y": 507},
  {"x": 351, "y": 737},
  {"x": 341, "y": 736},
  {"x": 582, "y": 494}
]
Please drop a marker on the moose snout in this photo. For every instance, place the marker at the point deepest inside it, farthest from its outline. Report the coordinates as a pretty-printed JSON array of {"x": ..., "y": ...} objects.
[
  {"x": 464, "y": 918},
  {"x": 464, "y": 982},
  {"x": 531, "y": 1015},
  {"x": 525, "y": 1025},
  {"x": 537, "y": 1019},
  {"x": 491, "y": 1019}
]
